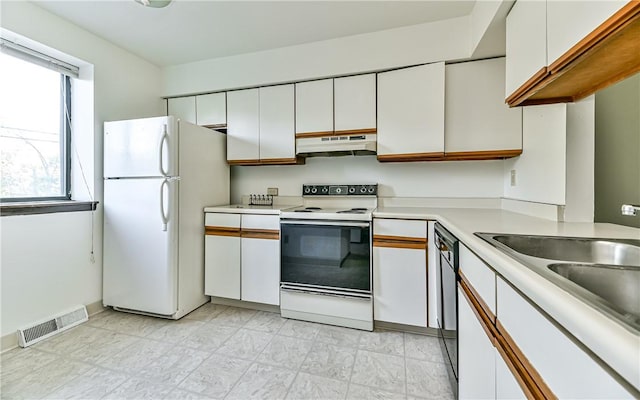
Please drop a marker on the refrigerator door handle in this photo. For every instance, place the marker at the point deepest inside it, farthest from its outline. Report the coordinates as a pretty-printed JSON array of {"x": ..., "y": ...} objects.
[
  {"x": 165, "y": 138},
  {"x": 165, "y": 217}
]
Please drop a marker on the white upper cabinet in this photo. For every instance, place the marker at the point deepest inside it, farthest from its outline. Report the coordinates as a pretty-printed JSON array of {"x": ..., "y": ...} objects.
[
  {"x": 355, "y": 103},
  {"x": 526, "y": 45},
  {"x": 277, "y": 126},
  {"x": 211, "y": 109},
  {"x": 183, "y": 108},
  {"x": 243, "y": 125},
  {"x": 476, "y": 116},
  {"x": 568, "y": 22},
  {"x": 411, "y": 113},
  {"x": 314, "y": 106}
]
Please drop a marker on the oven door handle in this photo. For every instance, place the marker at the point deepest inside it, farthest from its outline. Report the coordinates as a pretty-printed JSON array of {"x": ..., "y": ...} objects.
[
  {"x": 325, "y": 223},
  {"x": 321, "y": 293}
]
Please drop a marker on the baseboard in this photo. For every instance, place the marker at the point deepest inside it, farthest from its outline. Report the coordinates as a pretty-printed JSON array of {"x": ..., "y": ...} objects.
[
  {"x": 405, "y": 328},
  {"x": 10, "y": 341},
  {"x": 245, "y": 304}
]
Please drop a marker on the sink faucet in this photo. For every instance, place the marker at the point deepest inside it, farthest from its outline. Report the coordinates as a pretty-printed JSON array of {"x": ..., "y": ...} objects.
[{"x": 630, "y": 209}]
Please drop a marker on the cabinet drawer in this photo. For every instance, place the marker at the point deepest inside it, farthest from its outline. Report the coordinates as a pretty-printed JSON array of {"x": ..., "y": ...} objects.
[
  {"x": 271, "y": 222},
  {"x": 400, "y": 228},
  {"x": 479, "y": 276},
  {"x": 219, "y": 219}
]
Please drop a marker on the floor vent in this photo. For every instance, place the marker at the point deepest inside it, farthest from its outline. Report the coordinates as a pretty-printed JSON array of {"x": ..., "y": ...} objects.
[{"x": 50, "y": 327}]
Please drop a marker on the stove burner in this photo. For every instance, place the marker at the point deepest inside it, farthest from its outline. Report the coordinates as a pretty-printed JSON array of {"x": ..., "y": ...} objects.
[{"x": 353, "y": 211}]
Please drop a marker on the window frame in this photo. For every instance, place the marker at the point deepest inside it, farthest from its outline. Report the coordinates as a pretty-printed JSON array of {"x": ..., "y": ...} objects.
[{"x": 65, "y": 149}]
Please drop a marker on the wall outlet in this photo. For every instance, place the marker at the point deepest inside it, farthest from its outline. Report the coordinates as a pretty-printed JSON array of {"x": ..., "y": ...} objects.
[
  {"x": 513, "y": 177},
  {"x": 272, "y": 191}
]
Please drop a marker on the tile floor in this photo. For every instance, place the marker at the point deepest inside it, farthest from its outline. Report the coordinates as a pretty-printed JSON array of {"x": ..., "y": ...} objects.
[{"x": 225, "y": 352}]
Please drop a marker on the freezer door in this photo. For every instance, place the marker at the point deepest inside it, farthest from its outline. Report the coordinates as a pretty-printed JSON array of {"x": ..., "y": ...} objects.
[
  {"x": 141, "y": 148},
  {"x": 140, "y": 256}
]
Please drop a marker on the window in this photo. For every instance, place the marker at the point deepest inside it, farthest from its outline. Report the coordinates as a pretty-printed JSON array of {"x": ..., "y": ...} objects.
[{"x": 35, "y": 115}]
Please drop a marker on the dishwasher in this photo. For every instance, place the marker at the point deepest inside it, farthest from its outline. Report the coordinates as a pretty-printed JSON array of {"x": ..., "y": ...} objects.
[{"x": 447, "y": 309}]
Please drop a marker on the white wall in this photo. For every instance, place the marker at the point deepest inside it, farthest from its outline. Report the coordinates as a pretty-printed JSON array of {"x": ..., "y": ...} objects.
[
  {"x": 580, "y": 161},
  {"x": 392, "y": 48},
  {"x": 541, "y": 169},
  {"x": 45, "y": 259},
  {"x": 418, "y": 179}
]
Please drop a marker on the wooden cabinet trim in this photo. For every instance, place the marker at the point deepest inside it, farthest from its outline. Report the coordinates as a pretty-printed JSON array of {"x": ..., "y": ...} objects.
[
  {"x": 607, "y": 55},
  {"x": 269, "y": 161},
  {"x": 221, "y": 231},
  {"x": 436, "y": 156},
  {"x": 483, "y": 306},
  {"x": 533, "y": 381},
  {"x": 215, "y": 126},
  {"x": 270, "y": 234},
  {"x": 243, "y": 162},
  {"x": 526, "y": 375},
  {"x": 300, "y": 135},
  {"x": 347, "y": 132},
  {"x": 481, "y": 155},
  {"x": 512, "y": 100},
  {"x": 399, "y": 242}
]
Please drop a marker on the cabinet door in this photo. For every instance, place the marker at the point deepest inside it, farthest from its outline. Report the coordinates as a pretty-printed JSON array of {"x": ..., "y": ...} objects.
[
  {"x": 355, "y": 103},
  {"x": 476, "y": 116},
  {"x": 476, "y": 355},
  {"x": 507, "y": 387},
  {"x": 568, "y": 370},
  {"x": 261, "y": 259},
  {"x": 212, "y": 110},
  {"x": 411, "y": 111},
  {"x": 400, "y": 271},
  {"x": 526, "y": 45},
  {"x": 314, "y": 106},
  {"x": 222, "y": 255},
  {"x": 183, "y": 108},
  {"x": 568, "y": 22},
  {"x": 277, "y": 127},
  {"x": 243, "y": 129}
]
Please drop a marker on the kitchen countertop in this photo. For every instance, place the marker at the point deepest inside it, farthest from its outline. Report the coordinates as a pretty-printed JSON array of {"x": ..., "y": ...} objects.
[
  {"x": 249, "y": 209},
  {"x": 615, "y": 344}
]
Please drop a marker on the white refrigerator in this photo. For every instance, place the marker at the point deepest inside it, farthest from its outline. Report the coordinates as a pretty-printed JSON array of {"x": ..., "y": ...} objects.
[{"x": 159, "y": 174}]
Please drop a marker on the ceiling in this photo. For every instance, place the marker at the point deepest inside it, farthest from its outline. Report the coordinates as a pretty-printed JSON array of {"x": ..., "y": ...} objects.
[{"x": 188, "y": 31}]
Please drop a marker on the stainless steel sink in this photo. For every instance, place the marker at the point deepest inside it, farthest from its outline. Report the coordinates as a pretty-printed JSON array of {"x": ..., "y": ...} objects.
[
  {"x": 582, "y": 250},
  {"x": 602, "y": 272},
  {"x": 618, "y": 285}
]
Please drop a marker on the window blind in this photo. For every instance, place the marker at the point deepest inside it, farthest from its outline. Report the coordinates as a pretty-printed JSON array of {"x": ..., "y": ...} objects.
[{"x": 35, "y": 57}]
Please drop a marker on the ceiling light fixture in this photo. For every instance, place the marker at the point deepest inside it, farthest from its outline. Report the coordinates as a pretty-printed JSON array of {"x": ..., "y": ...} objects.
[{"x": 154, "y": 3}]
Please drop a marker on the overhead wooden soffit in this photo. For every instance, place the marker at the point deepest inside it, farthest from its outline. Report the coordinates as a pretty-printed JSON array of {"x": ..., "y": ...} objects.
[{"x": 607, "y": 55}]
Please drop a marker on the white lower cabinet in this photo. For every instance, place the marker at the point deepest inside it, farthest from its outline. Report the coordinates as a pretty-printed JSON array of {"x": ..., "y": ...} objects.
[
  {"x": 222, "y": 255},
  {"x": 476, "y": 356},
  {"x": 260, "y": 255},
  {"x": 568, "y": 370},
  {"x": 400, "y": 271},
  {"x": 242, "y": 257},
  {"x": 507, "y": 386}
]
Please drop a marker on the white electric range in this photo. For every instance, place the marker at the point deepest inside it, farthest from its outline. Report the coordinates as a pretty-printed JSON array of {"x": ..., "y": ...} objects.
[{"x": 325, "y": 268}]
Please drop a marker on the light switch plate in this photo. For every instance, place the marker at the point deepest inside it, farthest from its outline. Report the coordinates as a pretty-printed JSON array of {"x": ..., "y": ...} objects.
[{"x": 513, "y": 177}]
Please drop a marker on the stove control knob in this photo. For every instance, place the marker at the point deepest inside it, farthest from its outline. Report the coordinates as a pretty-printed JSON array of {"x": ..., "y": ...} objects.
[
  {"x": 371, "y": 189},
  {"x": 363, "y": 189},
  {"x": 338, "y": 190},
  {"x": 325, "y": 189},
  {"x": 352, "y": 189},
  {"x": 314, "y": 190},
  {"x": 307, "y": 189}
]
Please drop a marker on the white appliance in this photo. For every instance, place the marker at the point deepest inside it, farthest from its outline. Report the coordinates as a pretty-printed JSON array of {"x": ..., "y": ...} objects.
[
  {"x": 159, "y": 174},
  {"x": 336, "y": 145},
  {"x": 325, "y": 268}
]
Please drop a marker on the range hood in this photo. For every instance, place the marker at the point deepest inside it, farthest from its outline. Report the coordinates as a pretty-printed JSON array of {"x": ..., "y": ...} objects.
[{"x": 336, "y": 145}]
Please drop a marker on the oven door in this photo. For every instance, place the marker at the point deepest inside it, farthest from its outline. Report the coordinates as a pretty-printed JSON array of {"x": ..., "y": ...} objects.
[{"x": 333, "y": 255}]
